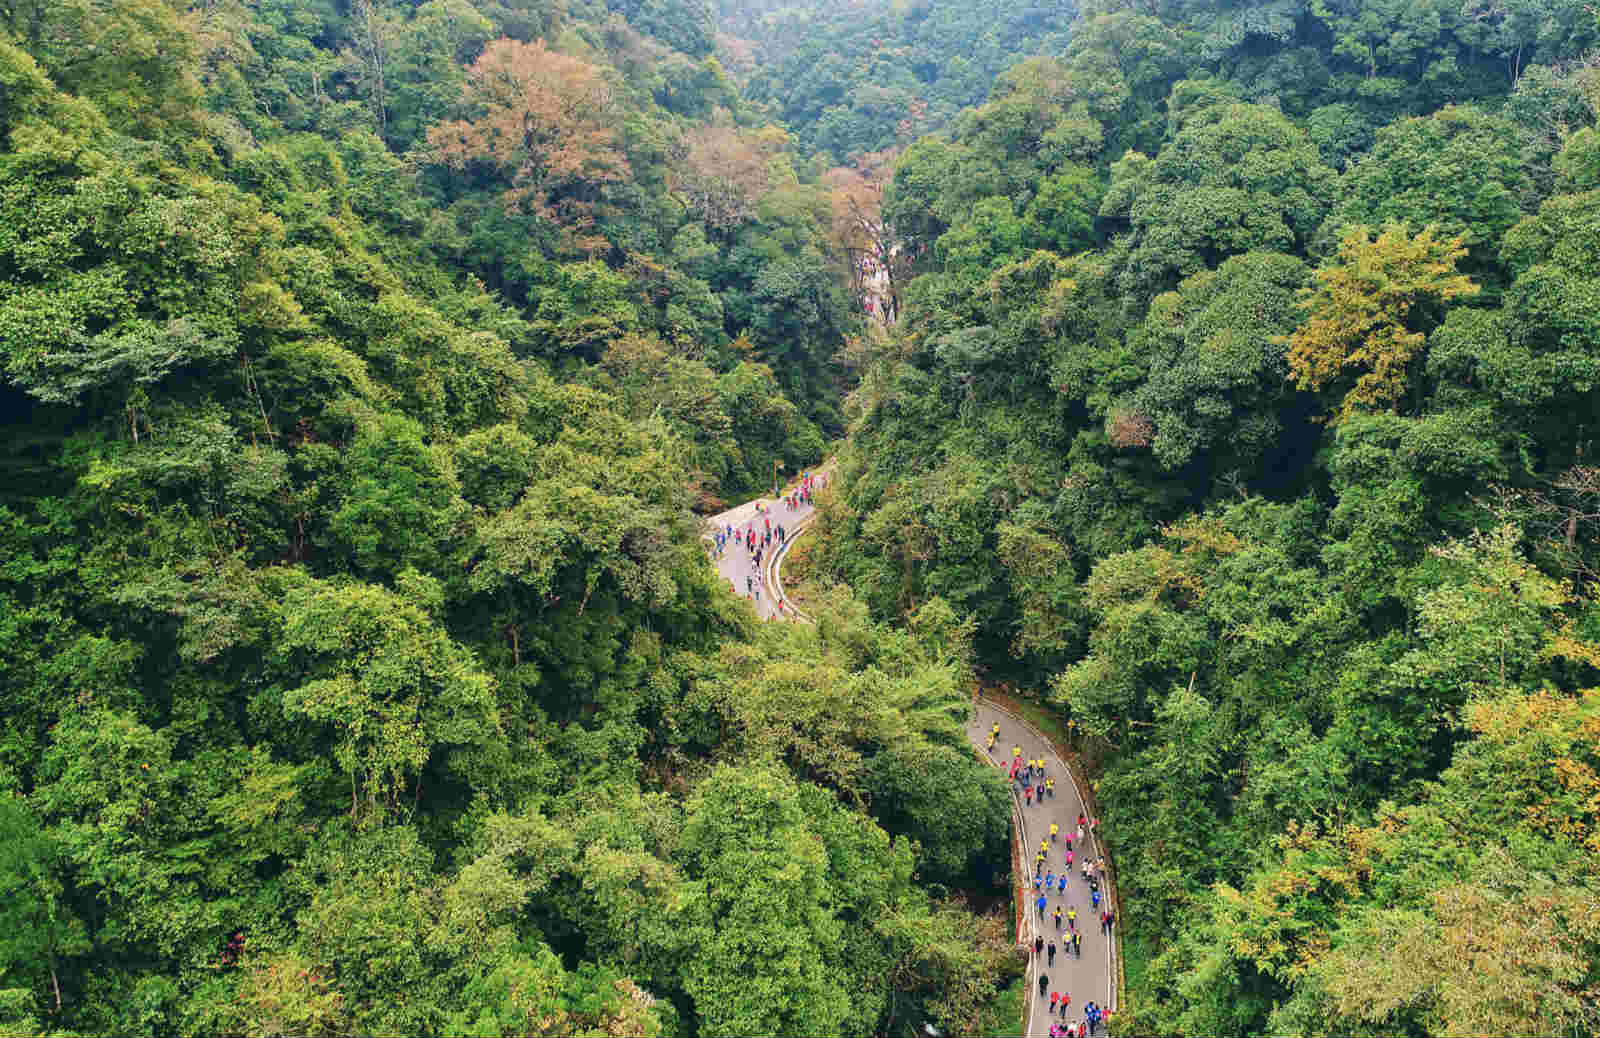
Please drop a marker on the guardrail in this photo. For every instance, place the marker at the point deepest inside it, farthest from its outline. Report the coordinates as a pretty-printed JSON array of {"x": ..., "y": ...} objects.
[{"x": 775, "y": 568}]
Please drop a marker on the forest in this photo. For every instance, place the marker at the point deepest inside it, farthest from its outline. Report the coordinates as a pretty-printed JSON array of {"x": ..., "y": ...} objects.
[
  {"x": 367, "y": 366},
  {"x": 1245, "y": 401}
]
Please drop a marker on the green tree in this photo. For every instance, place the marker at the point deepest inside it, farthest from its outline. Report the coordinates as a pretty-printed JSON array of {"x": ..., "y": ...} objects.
[
  {"x": 1234, "y": 178},
  {"x": 395, "y": 693},
  {"x": 1371, "y": 309},
  {"x": 1461, "y": 171},
  {"x": 41, "y": 928},
  {"x": 761, "y": 872},
  {"x": 1216, "y": 387}
]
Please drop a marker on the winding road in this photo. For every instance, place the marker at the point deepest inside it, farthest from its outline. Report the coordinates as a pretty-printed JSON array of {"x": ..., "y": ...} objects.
[{"x": 1090, "y": 977}]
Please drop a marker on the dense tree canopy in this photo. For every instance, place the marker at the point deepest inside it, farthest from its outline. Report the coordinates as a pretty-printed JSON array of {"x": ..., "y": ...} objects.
[
  {"x": 362, "y": 369},
  {"x": 1242, "y": 400},
  {"x": 1223, "y": 376}
]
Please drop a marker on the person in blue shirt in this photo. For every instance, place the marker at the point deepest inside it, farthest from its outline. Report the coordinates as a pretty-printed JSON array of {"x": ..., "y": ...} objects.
[
  {"x": 1061, "y": 884},
  {"x": 1040, "y": 903}
]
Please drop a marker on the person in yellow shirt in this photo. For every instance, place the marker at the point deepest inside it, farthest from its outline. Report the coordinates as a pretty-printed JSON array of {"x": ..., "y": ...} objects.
[
  {"x": 1050, "y": 786},
  {"x": 1016, "y": 751},
  {"x": 1054, "y": 828},
  {"x": 1072, "y": 918}
]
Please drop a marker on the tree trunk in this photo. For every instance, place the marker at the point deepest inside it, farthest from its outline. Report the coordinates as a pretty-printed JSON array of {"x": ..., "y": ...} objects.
[{"x": 374, "y": 45}]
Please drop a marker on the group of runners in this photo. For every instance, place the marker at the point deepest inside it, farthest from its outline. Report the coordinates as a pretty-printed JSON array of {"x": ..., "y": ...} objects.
[
  {"x": 756, "y": 541},
  {"x": 761, "y": 535},
  {"x": 753, "y": 539},
  {"x": 801, "y": 494},
  {"x": 1092, "y": 1017},
  {"x": 1031, "y": 778}
]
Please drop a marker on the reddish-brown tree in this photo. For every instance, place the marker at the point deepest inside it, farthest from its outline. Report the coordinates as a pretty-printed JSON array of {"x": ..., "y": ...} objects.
[
  {"x": 879, "y": 268},
  {"x": 546, "y": 122},
  {"x": 724, "y": 172}
]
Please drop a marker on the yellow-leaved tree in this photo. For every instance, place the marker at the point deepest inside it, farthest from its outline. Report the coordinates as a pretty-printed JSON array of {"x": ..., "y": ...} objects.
[{"x": 1371, "y": 309}]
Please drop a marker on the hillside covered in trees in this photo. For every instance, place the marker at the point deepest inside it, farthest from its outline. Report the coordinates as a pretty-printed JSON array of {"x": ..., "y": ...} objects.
[
  {"x": 1245, "y": 400},
  {"x": 365, "y": 365}
]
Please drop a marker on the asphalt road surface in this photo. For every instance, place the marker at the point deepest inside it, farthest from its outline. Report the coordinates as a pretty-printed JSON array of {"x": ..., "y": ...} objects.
[
  {"x": 1086, "y": 978},
  {"x": 735, "y": 563}
]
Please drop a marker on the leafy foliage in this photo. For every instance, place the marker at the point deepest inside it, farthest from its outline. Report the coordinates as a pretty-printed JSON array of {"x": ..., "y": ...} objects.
[
  {"x": 1364, "y": 310},
  {"x": 1289, "y": 520},
  {"x": 363, "y": 368}
]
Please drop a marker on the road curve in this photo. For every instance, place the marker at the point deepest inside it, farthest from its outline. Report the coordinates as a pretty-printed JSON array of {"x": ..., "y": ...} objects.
[
  {"x": 1091, "y": 977},
  {"x": 735, "y": 564},
  {"x": 775, "y": 570}
]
